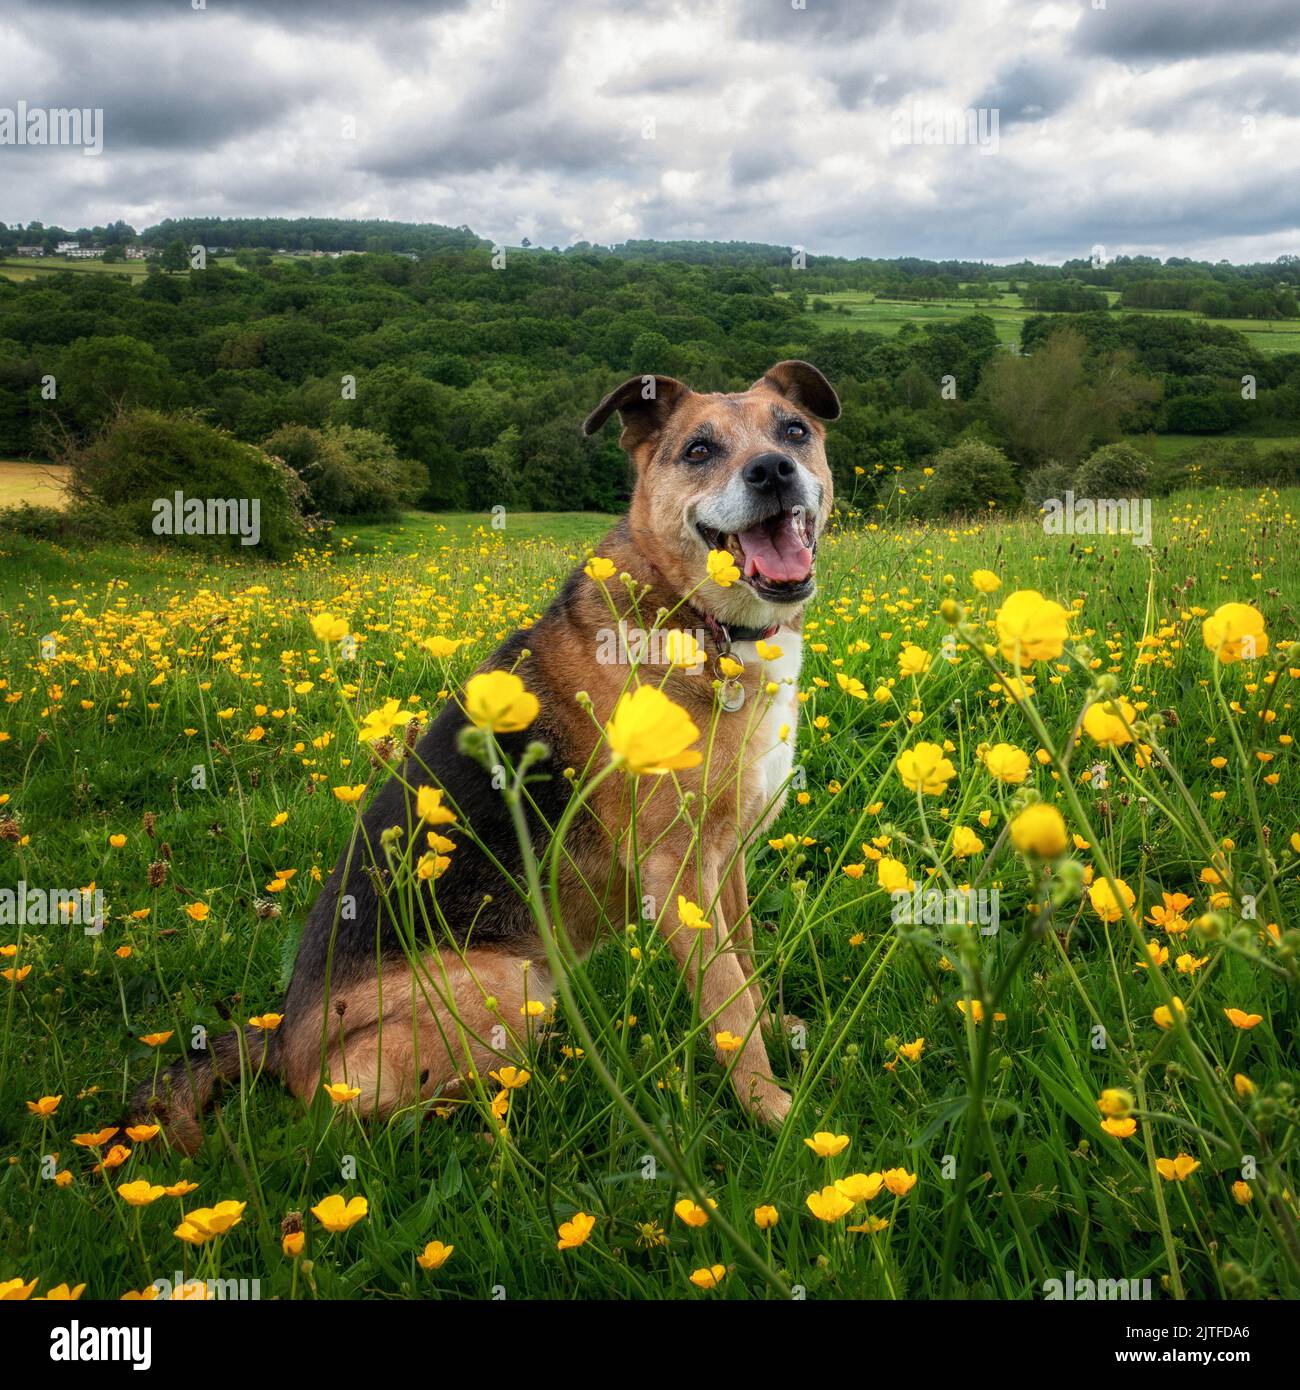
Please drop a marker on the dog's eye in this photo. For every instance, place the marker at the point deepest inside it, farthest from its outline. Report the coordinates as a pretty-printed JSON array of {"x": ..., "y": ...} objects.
[
  {"x": 697, "y": 451},
  {"x": 796, "y": 430}
]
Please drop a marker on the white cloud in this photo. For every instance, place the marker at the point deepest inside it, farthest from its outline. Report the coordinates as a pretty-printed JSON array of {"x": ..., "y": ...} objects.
[{"x": 1168, "y": 135}]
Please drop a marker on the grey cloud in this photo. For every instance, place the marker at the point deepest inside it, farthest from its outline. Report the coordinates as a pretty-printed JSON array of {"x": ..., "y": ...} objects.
[{"x": 1157, "y": 30}]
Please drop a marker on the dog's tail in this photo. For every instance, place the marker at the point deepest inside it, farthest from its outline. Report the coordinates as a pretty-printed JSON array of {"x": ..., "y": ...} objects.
[{"x": 179, "y": 1094}]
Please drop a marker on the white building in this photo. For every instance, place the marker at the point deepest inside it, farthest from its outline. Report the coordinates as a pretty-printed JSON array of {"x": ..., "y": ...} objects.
[
  {"x": 64, "y": 247},
  {"x": 31, "y": 250}
]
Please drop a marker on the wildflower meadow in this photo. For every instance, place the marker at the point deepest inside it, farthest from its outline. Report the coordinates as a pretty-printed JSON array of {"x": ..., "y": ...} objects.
[{"x": 1028, "y": 917}]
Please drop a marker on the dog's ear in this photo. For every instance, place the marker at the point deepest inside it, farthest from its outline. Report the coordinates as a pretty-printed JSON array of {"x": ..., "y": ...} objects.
[
  {"x": 803, "y": 384},
  {"x": 643, "y": 404}
]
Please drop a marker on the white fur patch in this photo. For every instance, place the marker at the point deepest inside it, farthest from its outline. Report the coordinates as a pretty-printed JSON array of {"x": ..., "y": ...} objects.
[{"x": 772, "y": 756}]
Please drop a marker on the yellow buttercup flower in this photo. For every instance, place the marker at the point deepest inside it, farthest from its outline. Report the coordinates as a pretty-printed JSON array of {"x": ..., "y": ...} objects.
[
  {"x": 765, "y": 1217},
  {"x": 690, "y": 1214},
  {"x": 1163, "y": 1015},
  {"x": 913, "y": 661},
  {"x": 925, "y": 767},
  {"x": 328, "y": 628},
  {"x": 985, "y": 581},
  {"x": 892, "y": 876},
  {"x": 600, "y": 569},
  {"x": 1040, "y": 830},
  {"x": 350, "y": 794},
  {"x": 204, "y": 1223},
  {"x": 47, "y": 1105},
  {"x": 139, "y": 1193},
  {"x": 722, "y": 568},
  {"x": 1235, "y": 632},
  {"x": 1239, "y": 1018},
  {"x": 434, "y": 1255},
  {"x": 826, "y": 1145},
  {"x": 1120, "y": 1129},
  {"x": 429, "y": 807},
  {"x": 1177, "y": 1169},
  {"x": 899, "y": 1181},
  {"x": 861, "y": 1187},
  {"x": 1031, "y": 628},
  {"x": 965, "y": 842},
  {"x": 340, "y": 1092},
  {"x": 830, "y": 1204},
  {"x": 499, "y": 700},
  {"x": 1104, "y": 722},
  {"x": 1104, "y": 902},
  {"x": 710, "y": 1277},
  {"x": 1115, "y": 1102},
  {"x": 337, "y": 1214},
  {"x": 682, "y": 650},
  {"x": 649, "y": 733},
  {"x": 575, "y": 1231},
  {"x": 1007, "y": 763}
]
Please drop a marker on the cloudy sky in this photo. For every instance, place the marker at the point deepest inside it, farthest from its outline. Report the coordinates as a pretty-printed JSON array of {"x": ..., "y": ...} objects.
[{"x": 1167, "y": 127}]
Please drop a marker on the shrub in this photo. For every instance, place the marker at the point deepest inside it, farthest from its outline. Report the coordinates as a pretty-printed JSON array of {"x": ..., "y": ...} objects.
[
  {"x": 1051, "y": 480},
  {"x": 348, "y": 472},
  {"x": 967, "y": 478},
  {"x": 140, "y": 457},
  {"x": 1114, "y": 470}
]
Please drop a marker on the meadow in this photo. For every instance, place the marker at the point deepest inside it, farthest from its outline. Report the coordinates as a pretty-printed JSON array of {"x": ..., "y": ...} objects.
[
  {"x": 1103, "y": 1084},
  {"x": 865, "y": 311}
]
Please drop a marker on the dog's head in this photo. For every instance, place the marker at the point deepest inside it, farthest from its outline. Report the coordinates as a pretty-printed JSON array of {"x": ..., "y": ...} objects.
[{"x": 744, "y": 472}]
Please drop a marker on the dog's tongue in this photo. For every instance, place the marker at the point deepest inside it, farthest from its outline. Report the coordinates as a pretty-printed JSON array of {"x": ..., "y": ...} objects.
[{"x": 775, "y": 551}]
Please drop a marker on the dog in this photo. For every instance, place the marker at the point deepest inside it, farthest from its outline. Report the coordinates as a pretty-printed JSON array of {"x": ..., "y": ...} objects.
[{"x": 405, "y": 1016}]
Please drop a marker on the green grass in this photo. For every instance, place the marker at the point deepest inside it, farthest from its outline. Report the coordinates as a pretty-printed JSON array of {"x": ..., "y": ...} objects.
[
  {"x": 179, "y": 663},
  {"x": 887, "y": 316}
]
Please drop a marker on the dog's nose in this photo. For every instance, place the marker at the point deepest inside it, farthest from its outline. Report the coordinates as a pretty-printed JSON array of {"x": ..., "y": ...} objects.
[{"x": 769, "y": 471}]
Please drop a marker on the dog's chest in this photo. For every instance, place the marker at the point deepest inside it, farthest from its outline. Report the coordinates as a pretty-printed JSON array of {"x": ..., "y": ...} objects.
[{"x": 768, "y": 756}]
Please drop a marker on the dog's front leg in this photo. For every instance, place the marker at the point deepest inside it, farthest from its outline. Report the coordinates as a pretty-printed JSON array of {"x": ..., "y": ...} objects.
[{"x": 711, "y": 963}]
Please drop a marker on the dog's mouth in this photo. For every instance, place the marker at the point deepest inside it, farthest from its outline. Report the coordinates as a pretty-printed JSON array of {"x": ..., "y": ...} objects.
[{"x": 775, "y": 556}]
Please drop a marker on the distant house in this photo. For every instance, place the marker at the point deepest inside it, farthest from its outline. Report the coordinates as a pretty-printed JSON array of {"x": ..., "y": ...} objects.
[
  {"x": 138, "y": 253},
  {"x": 31, "y": 250},
  {"x": 85, "y": 253},
  {"x": 64, "y": 247}
]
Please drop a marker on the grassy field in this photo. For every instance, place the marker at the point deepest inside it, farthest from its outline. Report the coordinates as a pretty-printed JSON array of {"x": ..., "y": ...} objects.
[
  {"x": 963, "y": 1073},
  {"x": 887, "y": 316},
  {"x": 28, "y": 268},
  {"x": 40, "y": 483}
]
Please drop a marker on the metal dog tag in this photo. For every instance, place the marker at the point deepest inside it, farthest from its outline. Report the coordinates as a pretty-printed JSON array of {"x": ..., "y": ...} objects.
[{"x": 731, "y": 696}]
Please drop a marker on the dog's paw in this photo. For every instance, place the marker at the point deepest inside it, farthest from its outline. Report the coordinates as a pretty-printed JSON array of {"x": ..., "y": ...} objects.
[
  {"x": 784, "y": 1025},
  {"x": 769, "y": 1103}
]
